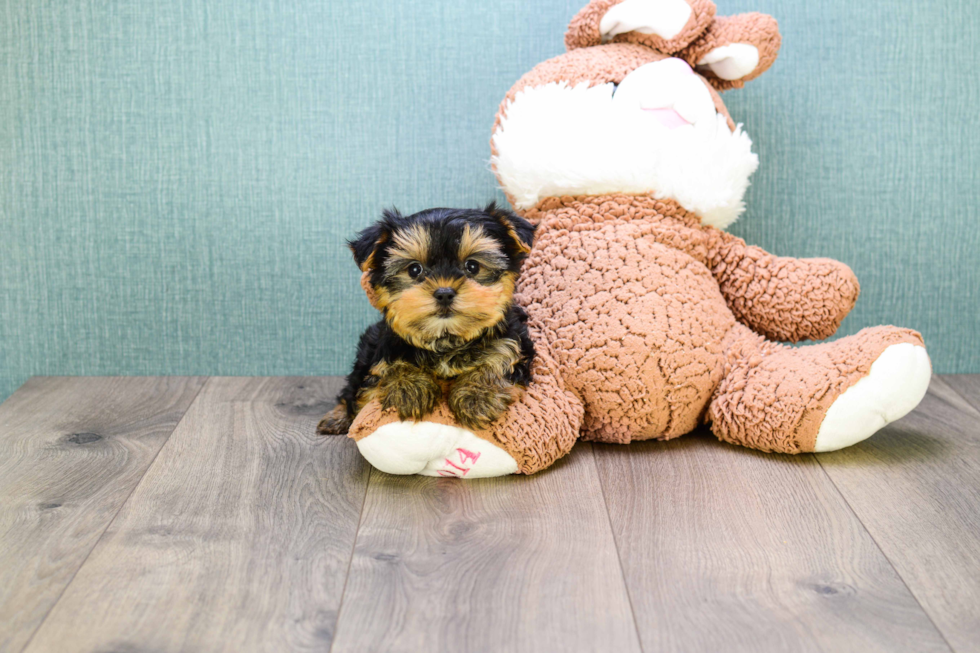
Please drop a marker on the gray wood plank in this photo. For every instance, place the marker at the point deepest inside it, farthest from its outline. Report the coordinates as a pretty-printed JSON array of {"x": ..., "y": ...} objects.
[
  {"x": 71, "y": 452},
  {"x": 728, "y": 549},
  {"x": 965, "y": 385},
  {"x": 916, "y": 487},
  {"x": 507, "y": 564},
  {"x": 237, "y": 539}
]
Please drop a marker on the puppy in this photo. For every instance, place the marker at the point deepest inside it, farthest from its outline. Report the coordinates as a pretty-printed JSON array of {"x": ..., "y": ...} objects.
[{"x": 444, "y": 282}]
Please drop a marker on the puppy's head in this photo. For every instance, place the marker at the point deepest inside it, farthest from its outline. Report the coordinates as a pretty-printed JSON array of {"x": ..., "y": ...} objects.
[{"x": 442, "y": 276}]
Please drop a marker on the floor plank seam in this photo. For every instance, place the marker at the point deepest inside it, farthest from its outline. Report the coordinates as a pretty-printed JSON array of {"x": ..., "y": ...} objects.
[
  {"x": 122, "y": 505},
  {"x": 882, "y": 551},
  {"x": 969, "y": 402},
  {"x": 619, "y": 558},
  {"x": 350, "y": 560}
]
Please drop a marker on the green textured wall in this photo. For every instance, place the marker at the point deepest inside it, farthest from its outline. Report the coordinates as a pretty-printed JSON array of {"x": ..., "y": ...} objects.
[{"x": 178, "y": 178}]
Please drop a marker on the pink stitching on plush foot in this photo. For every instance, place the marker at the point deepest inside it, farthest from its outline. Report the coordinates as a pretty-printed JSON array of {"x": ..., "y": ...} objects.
[
  {"x": 465, "y": 454},
  {"x": 462, "y": 469}
]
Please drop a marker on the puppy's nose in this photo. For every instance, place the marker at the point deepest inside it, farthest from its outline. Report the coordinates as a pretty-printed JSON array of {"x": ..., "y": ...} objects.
[{"x": 444, "y": 296}]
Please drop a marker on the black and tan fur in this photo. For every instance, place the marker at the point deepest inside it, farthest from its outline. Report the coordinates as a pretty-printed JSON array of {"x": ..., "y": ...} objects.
[{"x": 474, "y": 341}]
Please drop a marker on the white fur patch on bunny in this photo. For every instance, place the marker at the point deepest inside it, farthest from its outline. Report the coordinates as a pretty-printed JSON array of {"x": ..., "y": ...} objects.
[
  {"x": 432, "y": 449},
  {"x": 556, "y": 140}
]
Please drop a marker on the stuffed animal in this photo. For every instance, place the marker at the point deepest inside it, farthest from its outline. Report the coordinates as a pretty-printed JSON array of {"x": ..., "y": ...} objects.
[{"x": 648, "y": 318}]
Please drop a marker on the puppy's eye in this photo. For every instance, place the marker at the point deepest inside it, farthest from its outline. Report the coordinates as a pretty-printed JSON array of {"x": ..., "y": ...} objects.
[
  {"x": 472, "y": 267},
  {"x": 414, "y": 270}
]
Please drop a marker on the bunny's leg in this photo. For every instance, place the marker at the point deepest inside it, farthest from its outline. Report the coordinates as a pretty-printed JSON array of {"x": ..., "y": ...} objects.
[
  {"x": 817, "y": 398},
  {"x": 536, "y": 430}
]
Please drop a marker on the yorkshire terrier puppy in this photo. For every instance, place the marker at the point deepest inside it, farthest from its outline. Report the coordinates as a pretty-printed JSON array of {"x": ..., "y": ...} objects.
[{"x": 444, "y": 282}]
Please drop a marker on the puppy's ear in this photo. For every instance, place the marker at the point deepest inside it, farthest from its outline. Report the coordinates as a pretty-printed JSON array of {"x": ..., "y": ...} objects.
[
  {"x": 520, "y": 230},
  {"x": 367, "y": 242}
]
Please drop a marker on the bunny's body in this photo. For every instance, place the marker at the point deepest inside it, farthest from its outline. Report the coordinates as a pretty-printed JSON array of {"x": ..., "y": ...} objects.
[{"x": 648, "y": 319}]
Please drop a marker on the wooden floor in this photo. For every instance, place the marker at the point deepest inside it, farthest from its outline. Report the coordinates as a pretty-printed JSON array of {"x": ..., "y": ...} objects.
[{"x": 192, "y": 514}]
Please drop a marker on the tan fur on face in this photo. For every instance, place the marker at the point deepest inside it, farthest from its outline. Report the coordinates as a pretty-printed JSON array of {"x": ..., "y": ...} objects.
[
  {"x": 409, "y": 312},
  {"x": 410, "y": 244},
  {"x": 413, "y": 313},
  {"x": 485, "y": 305},
  {"x": 477, "y": 243}
]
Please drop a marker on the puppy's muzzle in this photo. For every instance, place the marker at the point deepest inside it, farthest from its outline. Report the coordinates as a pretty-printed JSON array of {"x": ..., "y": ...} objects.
[{"x": 444, "y": 297}]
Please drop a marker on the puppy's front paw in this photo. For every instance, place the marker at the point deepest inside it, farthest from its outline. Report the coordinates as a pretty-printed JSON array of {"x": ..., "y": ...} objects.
[
  {"x": 476, "y": 404},
  {"x": 409, "y": 390},
  {"x": 336, "y": 422}
]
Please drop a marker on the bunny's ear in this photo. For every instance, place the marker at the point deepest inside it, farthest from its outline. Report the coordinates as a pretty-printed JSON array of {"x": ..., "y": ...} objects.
[
  {"x": 735, "y": 49},
  {"x": 664, "y": 25}
]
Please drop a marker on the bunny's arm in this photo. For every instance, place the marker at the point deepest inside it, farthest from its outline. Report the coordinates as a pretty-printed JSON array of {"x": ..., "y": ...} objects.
[{"x": 783, "y": 298}]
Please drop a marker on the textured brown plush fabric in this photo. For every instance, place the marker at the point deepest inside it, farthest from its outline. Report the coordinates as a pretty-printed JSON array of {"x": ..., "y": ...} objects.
[
  {"x": 583, "y": 30},
  {"x": 787, "y": 299},
  {"x": 703, "y": 33},
  {"x": 755, "y": 29},
  {"x": 774, "y": 397},
  {"x": 648, "y": 323},
  {"x": 627, "y": 302}
]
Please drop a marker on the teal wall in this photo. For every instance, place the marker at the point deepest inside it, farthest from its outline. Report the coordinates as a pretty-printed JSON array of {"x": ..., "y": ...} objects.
[{"x": 178, "y": 177}]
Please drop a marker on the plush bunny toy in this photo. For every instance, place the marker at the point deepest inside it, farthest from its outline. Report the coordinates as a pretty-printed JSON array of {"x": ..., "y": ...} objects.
[{"x": 648, "y": 318}]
